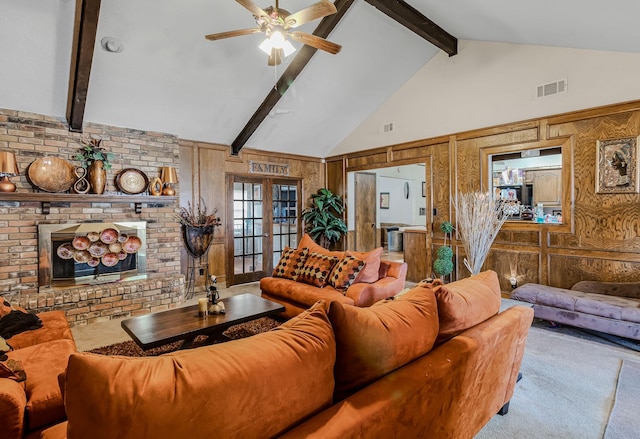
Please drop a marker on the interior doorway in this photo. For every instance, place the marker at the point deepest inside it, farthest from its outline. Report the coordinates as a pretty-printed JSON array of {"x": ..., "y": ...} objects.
[
  {"x": 401, "y": 195},
  {"x": 262, "y": 220}
]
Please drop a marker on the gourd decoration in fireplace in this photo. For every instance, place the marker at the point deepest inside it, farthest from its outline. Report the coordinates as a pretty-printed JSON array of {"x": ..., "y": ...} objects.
[
  {"x": 198, "y": 225},
  {"x": 106, "y": 247}
]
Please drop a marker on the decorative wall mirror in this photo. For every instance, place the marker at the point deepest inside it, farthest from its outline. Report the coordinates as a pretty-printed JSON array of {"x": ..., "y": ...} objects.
[{"x": 533, "y": 179}]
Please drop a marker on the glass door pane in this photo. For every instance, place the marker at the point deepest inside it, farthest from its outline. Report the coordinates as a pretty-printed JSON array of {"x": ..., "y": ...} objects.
[
  {"x": 285, "y": 217},
  {"x": 248, "y": 247}
]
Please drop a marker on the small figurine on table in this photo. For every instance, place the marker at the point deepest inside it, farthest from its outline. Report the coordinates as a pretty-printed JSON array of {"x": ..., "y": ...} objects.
[{"x": 215, "y": 306}]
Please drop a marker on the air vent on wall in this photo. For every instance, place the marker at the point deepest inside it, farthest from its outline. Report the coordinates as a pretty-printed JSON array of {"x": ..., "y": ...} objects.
[
  {"x": 387, "y": 128},
  {"x": 552, "y": 88}
]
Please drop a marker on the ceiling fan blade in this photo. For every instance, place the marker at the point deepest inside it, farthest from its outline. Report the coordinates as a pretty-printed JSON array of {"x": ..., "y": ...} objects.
[
  {"x": 232, "y": 33},
  {"x": 315, "y": 41},
  {"x": 253, "y": 8},
  {"x": 276, "y": 57},
  {"x": 313, "y": 12}
]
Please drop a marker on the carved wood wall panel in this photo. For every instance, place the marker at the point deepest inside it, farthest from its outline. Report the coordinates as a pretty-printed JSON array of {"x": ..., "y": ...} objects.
[
  {"x": 602, "y": 238},
  {"x": 203, "y": 169}
]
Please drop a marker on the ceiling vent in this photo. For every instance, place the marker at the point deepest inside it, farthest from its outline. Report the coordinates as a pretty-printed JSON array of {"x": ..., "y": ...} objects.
[
  {"x": 387, "y": 127},
  {"x": 552, "y": 88}
]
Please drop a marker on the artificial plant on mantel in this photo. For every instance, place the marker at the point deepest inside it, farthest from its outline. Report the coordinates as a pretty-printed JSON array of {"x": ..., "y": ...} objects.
[
  {"x": 480, "y": 217},
  {"x": 323, "y": 219}
]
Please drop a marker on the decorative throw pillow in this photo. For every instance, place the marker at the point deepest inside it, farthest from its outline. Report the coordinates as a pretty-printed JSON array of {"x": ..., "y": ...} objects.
[
  {"x": 370, "y": 273},
  {"x": 291, "y": 262},
  {"x": 466, "y": 303},
  {"x": 373, "y": 341},
  {"x": 345, "y": 272},
  {"x": 316, "y": 270}
]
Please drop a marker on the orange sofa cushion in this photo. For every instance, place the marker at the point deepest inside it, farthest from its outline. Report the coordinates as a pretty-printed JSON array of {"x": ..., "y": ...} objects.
[
  {"x": 54, "y": 327},
  {"x": 258, "y": 386},
  {"x": 467, "y": 302},
  {"x": 374, "y": 341},
  {"x": 371, "y": 272},
  {"x": 307, "y": 242},
  {"x": 43, "y": 363}
]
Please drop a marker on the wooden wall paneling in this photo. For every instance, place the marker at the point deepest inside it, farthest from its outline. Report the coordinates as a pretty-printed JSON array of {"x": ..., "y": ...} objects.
[
  {"x": 377, "y": 159},
  {"x": 185, "y": 191},
  {"x": 601, "y": 229},
  {"x": 211, "y": 182},
  {"x": 524, "y": 265}
]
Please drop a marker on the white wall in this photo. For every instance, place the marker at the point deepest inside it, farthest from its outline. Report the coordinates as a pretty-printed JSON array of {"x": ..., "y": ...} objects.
[{"x": 489, "y": 84}]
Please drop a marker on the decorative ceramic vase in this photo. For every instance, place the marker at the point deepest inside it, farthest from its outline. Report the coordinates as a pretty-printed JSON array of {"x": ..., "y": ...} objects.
[
  {"x": 197, "y": 239},
  {"x": 97, "y": 177}
]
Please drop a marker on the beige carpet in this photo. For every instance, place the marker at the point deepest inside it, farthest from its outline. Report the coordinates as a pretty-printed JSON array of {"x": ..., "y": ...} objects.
[
  {"x": 624, "y": 422},
  {"x": 567, "y": 390}
]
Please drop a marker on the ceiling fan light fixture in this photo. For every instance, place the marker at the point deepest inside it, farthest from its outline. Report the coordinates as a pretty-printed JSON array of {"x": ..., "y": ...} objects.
[
  {"x": 288, "y": 48},
  {"x": 277, "y": 39},
  {"x": 266, "y": 46}
]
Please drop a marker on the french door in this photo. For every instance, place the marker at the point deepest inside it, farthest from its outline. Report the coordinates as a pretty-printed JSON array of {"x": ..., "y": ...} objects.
[{"x": 263, "y": 218}]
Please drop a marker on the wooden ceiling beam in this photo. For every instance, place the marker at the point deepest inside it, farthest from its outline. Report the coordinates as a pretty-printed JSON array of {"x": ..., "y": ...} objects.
[
  {"x": 290, "y": 74},
  {"x": 413, "y": 20},
  {"x": 84, "y": 38}
]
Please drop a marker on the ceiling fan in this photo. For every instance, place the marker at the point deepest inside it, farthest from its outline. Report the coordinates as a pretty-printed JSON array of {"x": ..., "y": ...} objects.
[{"x": 277, "y": 23}]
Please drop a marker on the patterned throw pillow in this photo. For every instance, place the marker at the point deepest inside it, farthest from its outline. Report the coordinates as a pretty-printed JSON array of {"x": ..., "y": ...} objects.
[
  {"x": 345, "y": 272},
  {"x": 316, "y": 269},
  {"x": 291, "y": 263}
]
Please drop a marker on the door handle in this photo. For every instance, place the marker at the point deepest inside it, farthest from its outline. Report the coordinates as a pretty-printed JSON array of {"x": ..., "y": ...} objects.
[{"x": 266, "y": 235}]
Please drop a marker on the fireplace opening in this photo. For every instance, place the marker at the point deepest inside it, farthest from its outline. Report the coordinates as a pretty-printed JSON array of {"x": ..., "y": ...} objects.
[{"x": 91, "y": 253}]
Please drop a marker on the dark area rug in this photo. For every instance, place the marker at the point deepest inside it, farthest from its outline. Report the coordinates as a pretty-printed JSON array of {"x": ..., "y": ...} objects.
[
  {"x": 131, "y": 349},
  {"x": 624, "y": 422}
]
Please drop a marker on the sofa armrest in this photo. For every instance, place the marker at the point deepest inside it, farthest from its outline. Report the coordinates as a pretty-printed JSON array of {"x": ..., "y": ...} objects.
[
  {"x": 365, "y": 294},
  {"x": 620, "y": 289},
  {"x": 13, "y": 402}
]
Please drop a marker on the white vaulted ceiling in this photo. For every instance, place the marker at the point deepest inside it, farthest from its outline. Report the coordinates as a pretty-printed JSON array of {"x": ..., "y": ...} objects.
[{"x": 169, "y": 78}]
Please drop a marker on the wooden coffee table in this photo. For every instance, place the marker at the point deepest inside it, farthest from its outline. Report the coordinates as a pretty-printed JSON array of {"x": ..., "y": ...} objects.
[{"x": 157, "y": 329}]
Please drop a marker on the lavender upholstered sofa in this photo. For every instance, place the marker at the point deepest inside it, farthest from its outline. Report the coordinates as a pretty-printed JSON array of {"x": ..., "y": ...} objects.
[{"x": 609, "y": 307}]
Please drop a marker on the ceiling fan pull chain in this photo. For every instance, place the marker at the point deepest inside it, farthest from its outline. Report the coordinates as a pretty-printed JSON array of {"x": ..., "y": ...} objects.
[{"x": 275, "y": 77}]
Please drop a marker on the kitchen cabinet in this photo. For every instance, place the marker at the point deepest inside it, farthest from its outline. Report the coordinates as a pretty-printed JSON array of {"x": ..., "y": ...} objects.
[{"x": 547, "y": 186}]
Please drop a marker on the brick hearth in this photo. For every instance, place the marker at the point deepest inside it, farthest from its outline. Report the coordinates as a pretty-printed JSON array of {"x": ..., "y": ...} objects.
[{"x": 31, "y": 136}]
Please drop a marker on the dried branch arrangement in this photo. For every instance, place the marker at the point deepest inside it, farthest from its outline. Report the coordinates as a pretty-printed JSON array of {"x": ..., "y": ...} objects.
[
  {"x": 480, "y": 217},
  {"x": 198, "y": 216}
]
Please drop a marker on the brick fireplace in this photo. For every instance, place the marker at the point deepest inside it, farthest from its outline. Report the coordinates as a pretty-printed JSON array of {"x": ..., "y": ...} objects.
[{"x": 161, "y": 286}]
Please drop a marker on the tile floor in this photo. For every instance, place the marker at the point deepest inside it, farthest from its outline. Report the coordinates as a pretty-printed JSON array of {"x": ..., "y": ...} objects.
[{"x": 105, "y": 333}]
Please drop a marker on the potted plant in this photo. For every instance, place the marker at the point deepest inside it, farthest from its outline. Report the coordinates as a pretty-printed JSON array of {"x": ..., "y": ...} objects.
[
  {"x": 97, "y": 161},
  {"x": 323, "y": 219},
  {"x": 443, "y": 265}
]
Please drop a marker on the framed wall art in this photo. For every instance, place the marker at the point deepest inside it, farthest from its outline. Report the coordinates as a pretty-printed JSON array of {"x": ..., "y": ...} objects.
[
  {"x": 617, "y": 166},
  {"x": 384, "y": 200}
]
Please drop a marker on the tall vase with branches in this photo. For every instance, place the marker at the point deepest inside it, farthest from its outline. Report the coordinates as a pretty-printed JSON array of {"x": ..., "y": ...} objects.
[{"x": 480, "y": 217}]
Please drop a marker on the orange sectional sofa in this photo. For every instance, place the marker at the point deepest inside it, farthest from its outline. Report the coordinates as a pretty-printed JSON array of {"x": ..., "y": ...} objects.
[
  {"x": 378, "y": 280},
  {"x": 432, "y": 363},
  {"x": 29, "y": 406}
]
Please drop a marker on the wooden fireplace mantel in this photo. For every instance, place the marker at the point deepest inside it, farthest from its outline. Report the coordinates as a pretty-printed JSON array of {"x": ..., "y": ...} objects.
[{"x": 46, "y": 198}]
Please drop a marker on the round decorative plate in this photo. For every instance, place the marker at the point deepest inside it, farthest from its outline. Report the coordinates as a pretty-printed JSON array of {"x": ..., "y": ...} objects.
[
  {"x": 51, "y": 174},
  {"x": 132, "y": 181}
]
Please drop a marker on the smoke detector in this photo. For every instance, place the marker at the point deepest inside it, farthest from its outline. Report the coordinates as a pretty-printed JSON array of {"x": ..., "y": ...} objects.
[{"x": 110, "y": 44}]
